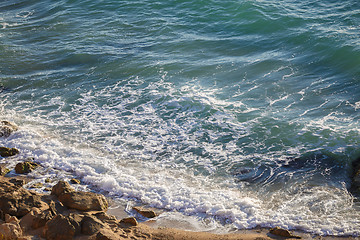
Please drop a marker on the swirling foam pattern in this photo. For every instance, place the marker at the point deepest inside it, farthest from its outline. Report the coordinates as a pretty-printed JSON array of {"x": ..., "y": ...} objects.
[{"x": 242, "y": 112}]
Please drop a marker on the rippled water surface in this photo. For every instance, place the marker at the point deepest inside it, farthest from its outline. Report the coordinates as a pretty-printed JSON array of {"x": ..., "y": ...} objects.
[{"x": 242, "y": 112}]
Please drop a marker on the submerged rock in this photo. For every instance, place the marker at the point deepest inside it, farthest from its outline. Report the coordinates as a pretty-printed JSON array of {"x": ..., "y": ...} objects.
[
  {"x": 25, "y": 167},
  {"x": 355, "y": 184},
  {"x": 6, "y": 128},
  {"x": 8, "y": 152},
  {"x": 75, "y": 181}
]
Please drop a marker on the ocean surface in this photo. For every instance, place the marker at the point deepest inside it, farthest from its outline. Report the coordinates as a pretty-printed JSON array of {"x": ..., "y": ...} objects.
[{"x": 228, "y": 114}]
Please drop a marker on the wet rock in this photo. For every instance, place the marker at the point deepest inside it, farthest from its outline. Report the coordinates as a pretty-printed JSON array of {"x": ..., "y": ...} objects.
[
  {"x": 91, "y": 225},
  {"x": 355, "y": 185},
  {"x": 4, "y": 170},
  {"x": 61, "y": 187},
  {"x": 282, "y": 233},
  {"x": 25, "y": 167},
  {"x": 130, "y": 221},
  {"x": 17, "y": 182},
  {"x": 8, "y": 152},
  {"x": 6, "y": 128},
  {"x": 84, "y": 201},
  {"x": 61, "y": 228},
  {"x": 37, "y": 185},
  {"x": 17, "y": 201},
  {"x": 145, "y": 212},
  {"x": 75, "y": 181}
]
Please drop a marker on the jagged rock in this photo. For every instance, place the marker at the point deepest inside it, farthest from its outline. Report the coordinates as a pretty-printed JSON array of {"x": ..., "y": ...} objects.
[
  {"x": 84, "y": 201},
  {"x": 91, "y": 225},
  {"x": 4, "y": 171},
  {"x": 10, "y": 231},
  {"x": 8, "y": 152},
  {"x": 6, "y": 128},
  {"x": 61, "y": 228},
  {"x": 25, "y": 167},
  {"x": 75, "y": 181},
  {"x": 282, "y": 232},
  {"x": 61, "y": 187},
  {"x": 17, "y": 182},
  {"x": 129, "y": 221},
  {"x": 41, "y": 219},
  {"x": 105, "y": 217},
  {"x": 17, "y": 201},
  {"x": 145, "y": 212}
]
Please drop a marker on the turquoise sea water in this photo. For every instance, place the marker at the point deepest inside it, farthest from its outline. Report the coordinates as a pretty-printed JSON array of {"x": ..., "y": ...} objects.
[{"x": 243, "y": 113}]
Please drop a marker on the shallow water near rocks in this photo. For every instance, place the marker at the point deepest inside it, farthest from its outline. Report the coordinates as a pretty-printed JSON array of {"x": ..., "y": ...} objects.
[{"x": 245, "y": 113}]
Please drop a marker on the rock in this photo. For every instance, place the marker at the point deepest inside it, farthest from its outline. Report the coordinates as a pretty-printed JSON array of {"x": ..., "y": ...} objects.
[
  {"x": 6, "y": 128},
  {"x": 145, "y": 212},
  {"x": 355, "y": 184},
  {"x": 47, "y": 180},
  {"x": 17, "y": 182},
  {"x": 75, "y": 181},
  {"x": 11, "y": 219},
  {"x": 7, "y": 152},
  {"x": 37, "y": 185},
  {"x": 61, "y": 228},
  {"x": 4, "y": 170},
  {"x": 282, "y": 232},
  {"x": 17, "y": 201},
  {"x": 10, "y": 231},
  {"x": 105, "y": 217},
  {"x": 129, "y": 221},
  {"x": 61, "y": 187},
  {"x": 41, "y": 219},
  {"x": 25, "y": 167},
  {"x": 107, "y": 235},
  {"x": 91, "y": 225},
  {"x": 84, "y": 201}
]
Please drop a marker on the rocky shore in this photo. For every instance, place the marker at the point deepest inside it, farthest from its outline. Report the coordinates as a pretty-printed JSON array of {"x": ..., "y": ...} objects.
[{"x": 65, "y": 213}]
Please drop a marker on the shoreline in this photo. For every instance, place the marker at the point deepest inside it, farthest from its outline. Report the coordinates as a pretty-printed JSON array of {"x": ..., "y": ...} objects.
[
  {"x": 104, "y": 215},
  {"x": 149, "y": 229}
]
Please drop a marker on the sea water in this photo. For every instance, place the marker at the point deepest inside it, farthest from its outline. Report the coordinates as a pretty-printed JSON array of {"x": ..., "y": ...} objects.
[{"x": 242, "y": 113}]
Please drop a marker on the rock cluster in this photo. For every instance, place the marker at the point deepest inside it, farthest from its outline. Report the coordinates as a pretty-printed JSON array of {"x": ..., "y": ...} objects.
[{"x": 64, "y": 214}]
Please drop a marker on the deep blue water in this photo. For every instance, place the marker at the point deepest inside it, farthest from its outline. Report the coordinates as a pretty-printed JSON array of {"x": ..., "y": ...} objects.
[{"x": 241, "y": 112}]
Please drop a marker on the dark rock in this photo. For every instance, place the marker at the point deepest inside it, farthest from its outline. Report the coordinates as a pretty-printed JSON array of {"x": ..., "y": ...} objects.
[
  {"x": 145, "y": 212},
  {"x": 61, "y": 228},
  {"x": 355, "y": 184},
  {"x": 75, "y": 181},
  {"x": 282, "y": 233},
  {"x": 84, "y": 201},
  {"x": 8, "y": 152},
  {"x": 17, "y": 182},
  {"x": 91, "y": 225},
  {"x": 61, "y": 187},
  {"x": 37, "y": 185},
  {"x": 6, "y": 128},
  {"x": 130, "y": 221},
  {"x": 25, "y": 167},
  {"x": 17, "y": 201}
]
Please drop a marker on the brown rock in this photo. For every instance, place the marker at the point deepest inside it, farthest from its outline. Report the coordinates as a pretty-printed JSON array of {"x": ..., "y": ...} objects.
[
  {"x": 7, "y": 152},
  {"x": 61, "y": 187},
  {"x": 91, "y": 225},
  {"x": 17, "y": 182},
  {"x": 282, "y": 232},
  {"x": 10, "y": 231},
  {"x": 6, "y": 128},
  {"x": 84, "y": 201},
  {"x": 17, "y": 201},
  {"x": 129, "y": 221},
  {"x": 145, "y": 212},
  {"x": 107, "y": 235},
  {"x": 25, "y": 167},
  {"x": 61, "y": 228},
  {"x": 41, "y": 219}
]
